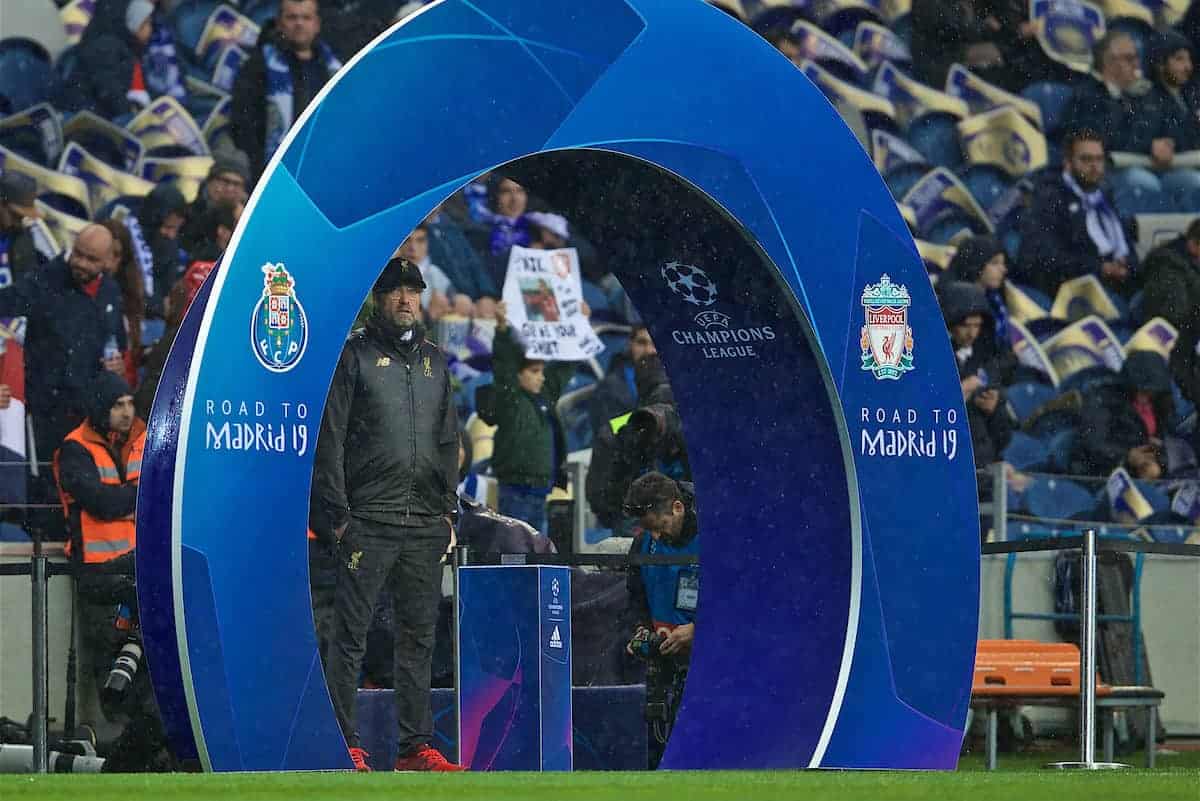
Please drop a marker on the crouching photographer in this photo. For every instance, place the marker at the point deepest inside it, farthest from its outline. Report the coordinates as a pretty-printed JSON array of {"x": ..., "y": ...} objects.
[
  {"x": 648, "y": 438},
  {"x": 97, "y": 470},
  {"x": 662, "y": 598}
]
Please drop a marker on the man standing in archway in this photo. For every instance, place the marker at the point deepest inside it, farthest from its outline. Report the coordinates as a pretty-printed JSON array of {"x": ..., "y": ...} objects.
[{"x": 384, "y": 484}]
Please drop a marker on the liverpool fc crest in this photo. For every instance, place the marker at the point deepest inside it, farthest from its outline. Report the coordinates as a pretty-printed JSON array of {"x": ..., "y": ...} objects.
[
  {"x": 887, "y": 341},
  {"x": 278, "y": 327}
]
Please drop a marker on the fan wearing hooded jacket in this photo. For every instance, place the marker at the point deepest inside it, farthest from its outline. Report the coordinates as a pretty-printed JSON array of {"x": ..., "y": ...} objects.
[{"x": 967, "y": 314}]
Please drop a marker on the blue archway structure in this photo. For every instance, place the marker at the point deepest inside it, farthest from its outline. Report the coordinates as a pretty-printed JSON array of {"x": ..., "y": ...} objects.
[{"x": 817, "y": 388}]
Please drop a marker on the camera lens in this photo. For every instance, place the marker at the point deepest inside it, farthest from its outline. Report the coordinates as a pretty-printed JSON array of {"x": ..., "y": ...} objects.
[{"x": 124, "y": 668}]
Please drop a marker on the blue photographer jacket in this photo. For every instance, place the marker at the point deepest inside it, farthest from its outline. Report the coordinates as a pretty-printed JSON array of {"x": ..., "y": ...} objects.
[{"x": 664, "y": 596}]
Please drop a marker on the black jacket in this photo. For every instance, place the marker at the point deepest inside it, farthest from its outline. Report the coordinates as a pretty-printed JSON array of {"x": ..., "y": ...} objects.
[
  {"x": 1055, "y": 244},
  {"x": 388, "y": 447},
  {"x": 1172, "y": 282},
  {"x": 1110, "y": 426},
  {"x": 163, "y": 201},
  {"x": 23, "y": 256},
  {"x": 1127, "y": 123},
  {"x": 613, "y": 396},
  {"x": 77, "y": 471},
  {"x": 104, "y": 63},
  {"x": 248, "y": 111},
  {"x": 65, "y": 334}
]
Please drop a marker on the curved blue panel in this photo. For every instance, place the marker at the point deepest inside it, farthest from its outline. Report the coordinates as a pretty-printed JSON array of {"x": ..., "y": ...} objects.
[{"x": 818, "y": 391}]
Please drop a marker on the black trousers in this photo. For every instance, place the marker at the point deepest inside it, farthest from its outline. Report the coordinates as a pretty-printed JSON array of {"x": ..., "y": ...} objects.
[{"x": 407, "y": 561}]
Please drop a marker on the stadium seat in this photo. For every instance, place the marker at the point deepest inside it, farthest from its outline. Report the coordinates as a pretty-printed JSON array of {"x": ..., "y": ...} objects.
[
  {"x": 902, "y": 26},
  {"x": 903, "y": 178},
  {"x": 1025, "y": 452},
  {"x": 26, "y": 142},
  {"x": 1052, "y": 99},
  {"x": 1155, "y": 495},
  {"x": 25, "y": 74},
  {"x": 67, "y": 60},
  {"x": 614, "y": 343},
  {"x": 1182, "y": 188},
  {"x": 188, "y": 19},
  {"x": 1027, "y": 397},
  {"x": 1059, "y": 448},
  {"x": 986, "y": 184},
  {"x": 935, "y": 136},
  {"x": 260, "y": 10},
  {"x": 1011, "y": 239},
  {"x": 1057, "y": 499},
  {"x": 66, "y": 204},
  {"x": 1137, "y": 191},
  {"x": 949, "y": 227},
  {"x": 1090, "y": 380}
]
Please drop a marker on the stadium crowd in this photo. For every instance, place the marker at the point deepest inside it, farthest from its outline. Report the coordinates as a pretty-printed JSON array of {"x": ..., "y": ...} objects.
[{"x": 1079, "y": 359}]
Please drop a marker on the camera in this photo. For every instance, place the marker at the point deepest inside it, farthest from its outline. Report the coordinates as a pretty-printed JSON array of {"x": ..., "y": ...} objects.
[
  {"x": 645, "y": 644},
  {"x": 128, "y": 659}
]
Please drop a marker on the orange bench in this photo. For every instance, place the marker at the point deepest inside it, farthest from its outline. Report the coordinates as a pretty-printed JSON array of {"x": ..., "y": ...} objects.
[{"x": 1012, "y": 673}]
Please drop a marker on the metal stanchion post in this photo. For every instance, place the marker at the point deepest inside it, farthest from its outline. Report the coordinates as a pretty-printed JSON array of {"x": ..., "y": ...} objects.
[
  {"x": 1087, "y": 664},
  {"x": 41, "y": 657},
  {"x": 461, "y": 556},
  {"x": 1000, "y": 502}
]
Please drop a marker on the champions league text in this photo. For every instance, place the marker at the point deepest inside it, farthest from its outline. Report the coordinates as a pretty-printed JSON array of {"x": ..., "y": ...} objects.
[
  {"x": 939, "y": 439},
  {"x": 241, "y": 427}
]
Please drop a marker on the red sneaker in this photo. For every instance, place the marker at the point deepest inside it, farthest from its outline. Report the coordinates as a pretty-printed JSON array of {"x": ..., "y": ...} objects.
[
  {"x": 359, "y": 758},
  {"x": 426, "y": 757}
]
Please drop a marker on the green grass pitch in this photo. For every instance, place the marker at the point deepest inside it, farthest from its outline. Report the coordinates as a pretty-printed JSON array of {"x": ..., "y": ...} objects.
[{"x": 1021, "y": 780}]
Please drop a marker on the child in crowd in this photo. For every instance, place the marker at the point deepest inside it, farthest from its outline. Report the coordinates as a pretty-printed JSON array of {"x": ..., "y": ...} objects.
[{"x": 529, "y": 442}]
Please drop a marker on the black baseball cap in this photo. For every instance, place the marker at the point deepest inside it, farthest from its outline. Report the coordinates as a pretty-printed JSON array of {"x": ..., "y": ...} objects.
[{"x": 399, "y": 272}]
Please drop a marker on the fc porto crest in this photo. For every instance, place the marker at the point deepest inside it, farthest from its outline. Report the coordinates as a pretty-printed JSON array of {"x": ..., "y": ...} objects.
[
  {"x": 278, "y": 327},
  {"x": 887, "y": 341}
]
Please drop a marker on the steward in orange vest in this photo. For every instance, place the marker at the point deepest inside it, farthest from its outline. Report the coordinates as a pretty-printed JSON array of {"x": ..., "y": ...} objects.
[{"x": 97, "y": 470}]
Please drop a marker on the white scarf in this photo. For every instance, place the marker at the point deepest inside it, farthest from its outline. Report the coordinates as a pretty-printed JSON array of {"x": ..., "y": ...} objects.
[{"x": 1103, "y": 224}]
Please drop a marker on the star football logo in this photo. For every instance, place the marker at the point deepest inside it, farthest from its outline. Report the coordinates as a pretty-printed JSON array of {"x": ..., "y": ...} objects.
[{"x": 690, "y": 283}]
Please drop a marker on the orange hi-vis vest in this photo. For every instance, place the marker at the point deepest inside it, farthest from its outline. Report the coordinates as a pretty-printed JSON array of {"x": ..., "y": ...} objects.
[{"x": 103, "y": 540}]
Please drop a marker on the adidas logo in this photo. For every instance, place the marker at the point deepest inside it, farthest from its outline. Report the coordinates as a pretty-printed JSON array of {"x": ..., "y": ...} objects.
[{"x": 555, "y": 638}]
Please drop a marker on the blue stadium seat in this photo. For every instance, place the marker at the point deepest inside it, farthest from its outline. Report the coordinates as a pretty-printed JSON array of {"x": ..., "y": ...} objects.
[
  {"x": 65, "y": 204},
  {"x": 903, "y": 178},
  {"x": 1052, "y": 99},
  {"x": 947, "y": 228},
  {"x": 1059, "y": 448},
  {"x": 188, "y": 20},
  {"x": 614, "y": 343},
  {"x": 200, "y": 106},
  {"x": 260, "y": 10},
  {"x": 986, "y": 183},
  {"x": 1025, "y": 452},
  {"x": 1183, "y": 190},
  {"x": 1057, "y": 498},
  {"x": 26, "y": 142},
  {"x": 1027, "y": 397},
  {"x": 65, "y": 65},
  {"x": 936, "y": 137},
  {"x": 1156, "y": 495},
  {"x": 1136, "y": 191},
  {"x": 1012, "y": 244},
  {"x": 902, "y": 26},
  {"x": 594, "y": 297},
  {"x": 26, "y": 74},
  {"x": 1090, "y": 380}
]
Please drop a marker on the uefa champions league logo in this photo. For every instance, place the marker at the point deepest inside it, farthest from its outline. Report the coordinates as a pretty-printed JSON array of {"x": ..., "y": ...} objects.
[
  {"x": 690, "y": 283},
  {"x": 887, "y": 340},
  {"x": 278, "y": 325}
]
